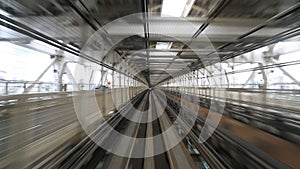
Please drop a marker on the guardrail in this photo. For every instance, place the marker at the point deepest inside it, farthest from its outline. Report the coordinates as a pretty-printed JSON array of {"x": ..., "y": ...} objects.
[
  {"x": 282, "y": 98},
  {"x": 8, "y": 87},
  {"x": 18, "y": 87}
]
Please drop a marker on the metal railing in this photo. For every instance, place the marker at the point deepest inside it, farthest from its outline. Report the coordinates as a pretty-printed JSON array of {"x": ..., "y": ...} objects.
[{"x": 18, "y": 87}]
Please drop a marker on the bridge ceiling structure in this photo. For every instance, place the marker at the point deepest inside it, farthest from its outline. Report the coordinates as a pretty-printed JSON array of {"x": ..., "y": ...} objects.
[{"x": 233, "y": 27}]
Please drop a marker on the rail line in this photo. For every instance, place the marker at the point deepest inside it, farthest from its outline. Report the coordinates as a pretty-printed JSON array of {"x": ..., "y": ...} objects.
[
  {"x": 88, "y": 154},
  {"x": 259, "y": 140}
]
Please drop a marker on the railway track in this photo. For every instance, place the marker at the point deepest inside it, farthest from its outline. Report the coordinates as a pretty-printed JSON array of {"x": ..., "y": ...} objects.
[
  {"x": 87, "y": 154},
  {"x": 222, "y": 150},
  {"x": 233, "y": 138}
]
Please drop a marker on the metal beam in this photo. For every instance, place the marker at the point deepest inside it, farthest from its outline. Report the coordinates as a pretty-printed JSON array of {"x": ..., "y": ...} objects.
[
  {"x": 218, "y": 7},
  {"x": 38, "y": 78}
]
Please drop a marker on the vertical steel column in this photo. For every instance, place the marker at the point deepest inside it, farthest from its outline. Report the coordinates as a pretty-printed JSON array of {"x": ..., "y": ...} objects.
[
  {"x": 103, "y": 91},
  {"x": 112, "y": 79},
  {"x": 128, "y": 88},
  {"x": 90, "y": 80},
  {"x": 185, "y": 84},
  {"x": 193, "y": 85},
  {"x": 58, "y": 70},
  {"x": 120, "y": 89},
  {"x": 197, "y": 83},
  {"x": 6, "y": 87},
  {"x": 124, "y": 90},
  {"x": 40, "y": 87}
]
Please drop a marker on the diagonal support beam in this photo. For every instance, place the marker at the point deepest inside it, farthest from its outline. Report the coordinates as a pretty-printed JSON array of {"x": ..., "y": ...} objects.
[
  {"x": 28, "y": 89},
  {"x": 286, "y": 73}
]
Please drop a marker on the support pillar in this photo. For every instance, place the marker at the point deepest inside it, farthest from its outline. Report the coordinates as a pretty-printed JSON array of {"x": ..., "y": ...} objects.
[{"x": 58, "y": 71}]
